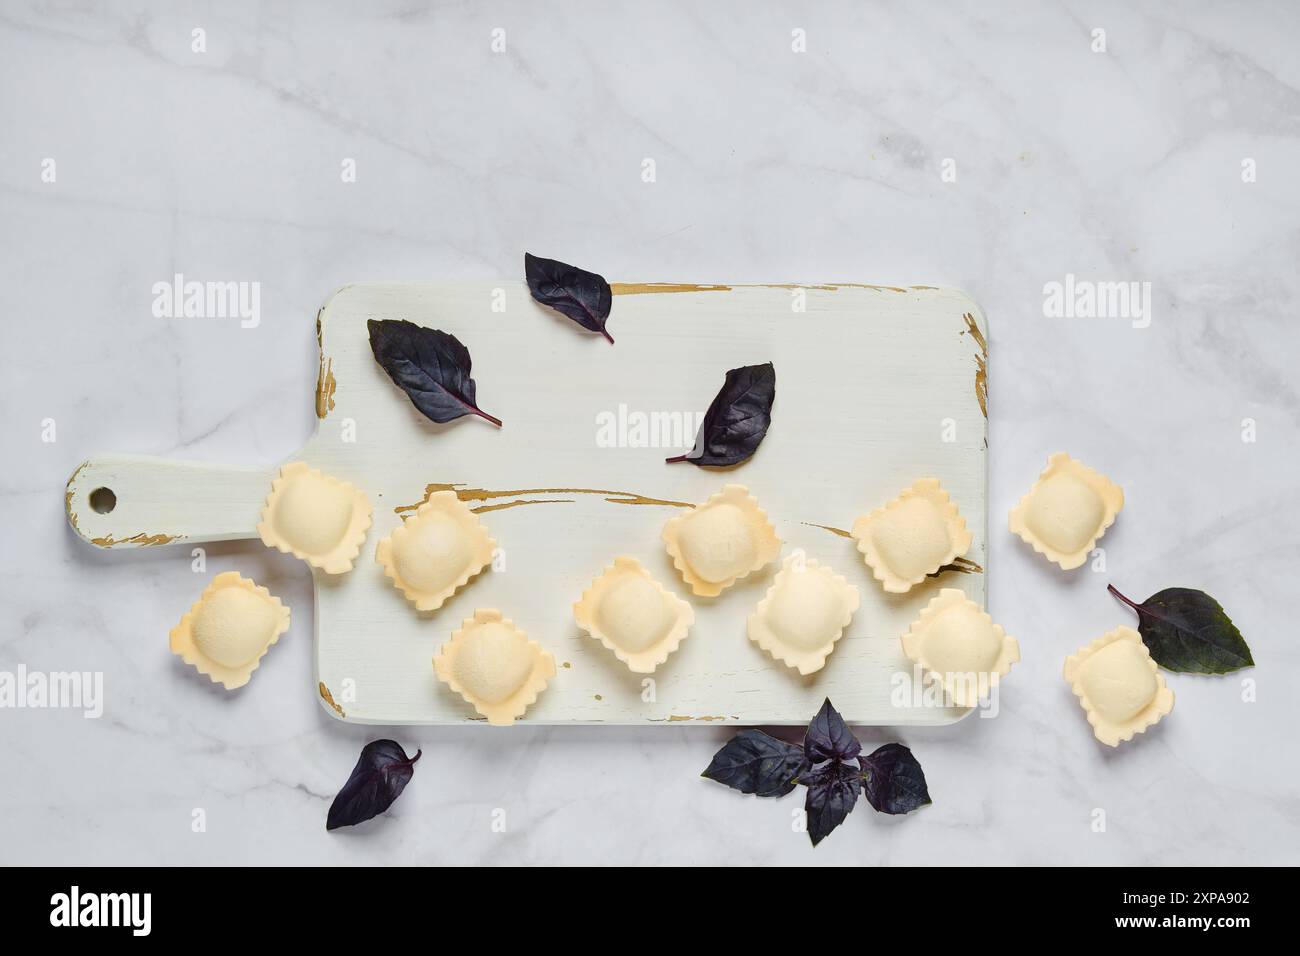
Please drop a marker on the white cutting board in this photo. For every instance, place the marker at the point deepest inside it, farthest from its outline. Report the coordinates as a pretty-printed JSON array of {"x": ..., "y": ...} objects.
[{"x": 876, "y": 386}]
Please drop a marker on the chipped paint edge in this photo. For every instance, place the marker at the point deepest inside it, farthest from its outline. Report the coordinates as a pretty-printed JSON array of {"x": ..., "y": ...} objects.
[
  {"x": 326, "y": 384},
  {"x": 981, "y": 360},
  {"x": 327, "y": 699},
  {"x": 659, "y": 288},
  {"x": 141, "y": 539}
]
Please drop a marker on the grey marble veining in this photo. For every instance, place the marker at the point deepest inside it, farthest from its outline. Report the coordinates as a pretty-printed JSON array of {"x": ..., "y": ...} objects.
[{"x": 770, "y": 165}]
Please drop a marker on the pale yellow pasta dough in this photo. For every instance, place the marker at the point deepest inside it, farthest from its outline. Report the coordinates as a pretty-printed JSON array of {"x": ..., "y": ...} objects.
[
  {"x": 912, "y": 536},
  {"x": 494, "y": 666},
  {"x": 316, "y": 518},
  {"x": 955, "y": 640},
  {"x": 229, "y": 629},
  {"x": 435, "y": 551},
  {"x": 639, "y": 620},
  {"x": 717, "y": 543},
  {"x": 1118, "y": 685},
  {"x": 1066, "y": 511},
  {"x": 803, "y": 614}
]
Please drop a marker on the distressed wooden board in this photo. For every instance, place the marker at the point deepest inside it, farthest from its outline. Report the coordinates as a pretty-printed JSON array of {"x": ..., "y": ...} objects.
[{"x": 876, "y": 386}]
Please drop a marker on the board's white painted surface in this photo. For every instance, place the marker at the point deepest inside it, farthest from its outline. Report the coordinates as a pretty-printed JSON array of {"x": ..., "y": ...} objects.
[{"x": 870, "y": 382}]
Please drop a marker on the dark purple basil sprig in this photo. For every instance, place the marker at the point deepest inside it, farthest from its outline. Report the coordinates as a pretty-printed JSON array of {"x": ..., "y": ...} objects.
[
  {"x": 1188, "y": 631},
  {"x": 830, "y": 764},
  {"x": 581, "y": 295},
  {"x": 382, "y": 772},
  {"x": 737, "y": 419},
  {"x": 430, "y": 366}
]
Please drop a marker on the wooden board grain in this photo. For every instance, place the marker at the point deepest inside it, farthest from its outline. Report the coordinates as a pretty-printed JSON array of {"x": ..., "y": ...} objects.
[{"x": 876, "y": 386}]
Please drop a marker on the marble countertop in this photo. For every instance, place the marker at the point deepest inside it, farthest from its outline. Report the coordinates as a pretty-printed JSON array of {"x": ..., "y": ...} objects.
[{"x": 1167, "y": 158}]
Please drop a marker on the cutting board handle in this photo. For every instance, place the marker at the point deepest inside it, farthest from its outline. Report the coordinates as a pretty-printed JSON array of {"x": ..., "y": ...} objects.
[{"x": 130, "y": 501}]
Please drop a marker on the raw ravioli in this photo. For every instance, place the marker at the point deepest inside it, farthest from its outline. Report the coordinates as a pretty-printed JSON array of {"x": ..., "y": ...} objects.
[
  {"x": 1067, "y": 510},
  {"x": 913, "y": 536},
  {"x": 494, "y": 666},
  {"x": 229, "y": 629},
  {"x": 804, "y": 613},
  {"x": 633, "y": 615},
  {"x": 1118, "y": 685},
  {"x": 316, "y": 518},
  {"x": 435, "y": 551},
  {"x": 717, "y": 543},
  {"x": 956, "y": 640}
]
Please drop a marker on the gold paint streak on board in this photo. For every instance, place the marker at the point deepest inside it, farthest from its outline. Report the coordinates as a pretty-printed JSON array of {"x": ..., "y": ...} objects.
[
  {"x": 470, "y": 495},
  {"x": 960, "y": 565},
  {"x": 483, "y": 509},
  {"x": 325, "y": 386},
  {"x": 981, "y": 363},
  {"x": 678, "y": 718},
  {"x": 326, "y": 696},
  {"x": 973, "y": 328},
  {"x": 825, "y": 527},
  {"x": 67, "y": 497},
  {"x": 650, "y": 288},
  {"x": 325, "y": 382},
  {"x": 141, "y": 540},
  {"x": 833, "y": 286}
]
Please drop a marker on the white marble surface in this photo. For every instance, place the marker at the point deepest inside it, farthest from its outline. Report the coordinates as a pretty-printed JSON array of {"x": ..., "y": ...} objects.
[{"x": 771, "y": 165}]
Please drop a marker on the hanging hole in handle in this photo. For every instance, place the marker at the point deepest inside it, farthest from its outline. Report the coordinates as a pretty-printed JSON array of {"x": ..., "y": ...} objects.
[{"x": 102, "y": 500}]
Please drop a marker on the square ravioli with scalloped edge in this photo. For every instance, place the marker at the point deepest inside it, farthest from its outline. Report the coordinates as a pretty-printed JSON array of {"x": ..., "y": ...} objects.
[
  {"x": 956, "y": 640},
  {"x": 229, "y": 629},
  {"x": 803, "y": 614},
  {"x": 637, "y": 619},
  {"x": 717, "y": 543},
  {"x": 494, "y": 666},
  {"x": 912, "y": 536},
  {"x": 436, "y": 551},
  {"x": 1067, "y": 511},
  {"x": 317, "y": 518},
  {"x": 1119, "y": 686}
]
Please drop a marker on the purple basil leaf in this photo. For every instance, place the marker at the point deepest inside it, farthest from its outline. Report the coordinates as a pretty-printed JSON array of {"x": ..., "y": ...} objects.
[
  {"x": 892, "y": 780},
  {"x": 829, "y": 737},
  {"x": 382, "y": 772},
  {"x": 581, "y": 295},
  {"x": 738, "y": 418},
  {"x": 430, "y": 366},
  {"x": 832, "y": 792},
  {"x": 754, "y": 762},
  {"x": 1188, "y": 631}
]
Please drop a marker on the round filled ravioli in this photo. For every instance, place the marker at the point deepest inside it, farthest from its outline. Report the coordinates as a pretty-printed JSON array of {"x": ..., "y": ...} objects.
[
  {"x": 717, "y": 543},
  {"x": 1118, "y": 685},
  {"x": 1067, "y": 511},
  {"x": 494, "y": 666},
  {"x": 911, "y": 537},
  {"x": 633, "y": 615},
  {"x": 803, "y": 614},
  {"x": 955, "y": 640},
  {"x": 229, "y": 629},
  {"x": 316, "y": 518},
  {"x": 436, "y": 551}
]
